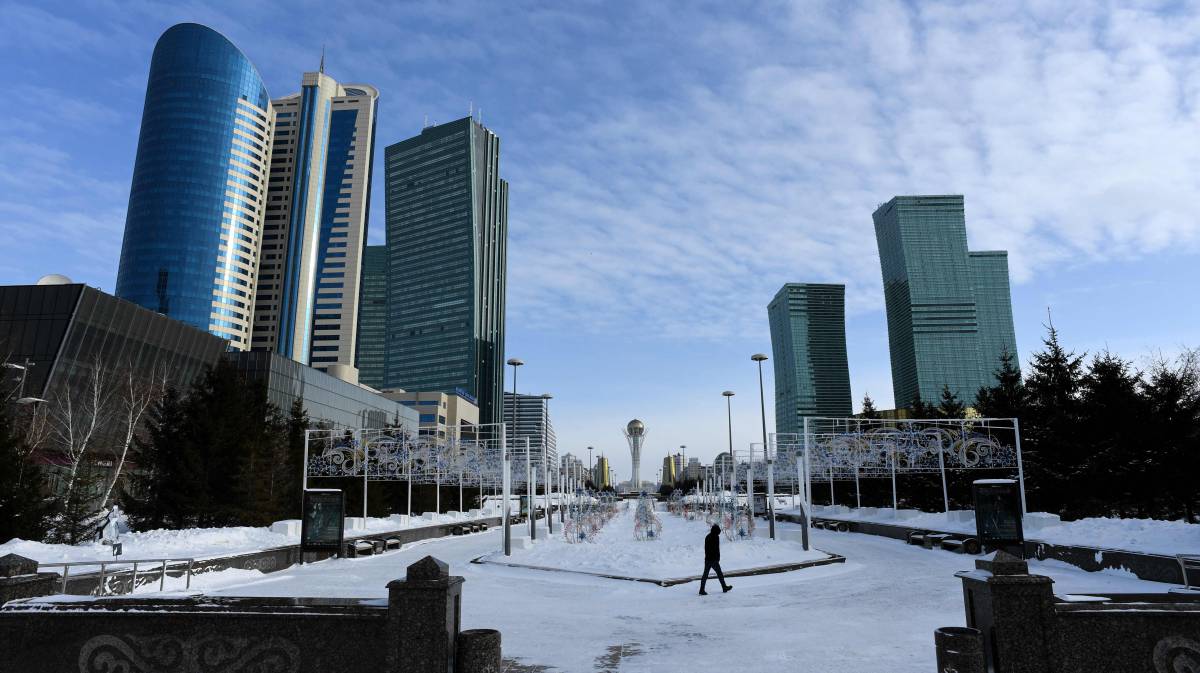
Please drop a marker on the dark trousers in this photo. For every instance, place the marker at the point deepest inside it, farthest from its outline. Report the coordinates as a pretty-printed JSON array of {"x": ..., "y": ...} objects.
[{"x": 712, "y": 565}]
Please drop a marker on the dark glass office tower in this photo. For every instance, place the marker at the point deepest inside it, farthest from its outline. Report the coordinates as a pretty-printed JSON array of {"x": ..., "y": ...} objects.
[
  {"x": 372, "y": 316},
  {"x": 808, "y": 340},
  {"x": 447, "y": 239},
  {"x": 935, "y": 292},
  {"x": 194, "y": 223}
]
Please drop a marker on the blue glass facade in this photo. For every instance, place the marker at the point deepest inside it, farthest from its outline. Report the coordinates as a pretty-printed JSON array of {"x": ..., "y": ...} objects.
[
  {"x": 198, "y": 176},
  {"x": 808, "y": 341},
  {"x": 948, "y": 310}
]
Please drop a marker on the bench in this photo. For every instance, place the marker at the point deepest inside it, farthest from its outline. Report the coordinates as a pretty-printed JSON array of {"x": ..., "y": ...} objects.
[
  {"x": 933, "y": 540},
  {"x": 356, "y": 548},
  {"x": 392, "y": 543},
  {"x": 915, "y": 537}
]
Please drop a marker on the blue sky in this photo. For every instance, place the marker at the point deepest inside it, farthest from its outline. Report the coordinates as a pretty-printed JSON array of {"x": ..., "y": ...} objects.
[{"x": 672, "y": 164}]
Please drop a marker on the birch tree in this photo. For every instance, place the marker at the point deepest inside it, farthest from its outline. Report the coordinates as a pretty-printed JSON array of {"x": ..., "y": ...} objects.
[
  {"x": 77, "y": 419},
  {"x": 135, "y": 396}
]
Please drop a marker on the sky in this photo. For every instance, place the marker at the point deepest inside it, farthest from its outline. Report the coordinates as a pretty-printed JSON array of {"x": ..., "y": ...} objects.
[{"x": 671, "y": 165}]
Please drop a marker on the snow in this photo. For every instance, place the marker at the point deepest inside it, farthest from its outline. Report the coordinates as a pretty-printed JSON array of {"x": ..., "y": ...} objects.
[
  {"x": 872, "y": 614},
  {"x": 678, "y": 553},
  {"x": 1150, "y": 536},
  {"x": 197, "y": 543}
]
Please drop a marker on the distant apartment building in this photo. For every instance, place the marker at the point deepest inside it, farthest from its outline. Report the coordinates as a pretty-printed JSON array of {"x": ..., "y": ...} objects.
[
  {"x": 315, "y": 228},
  {"x": 372, "y": 317},
  {"x": 197, "y": 199},
  {"x": 447, "y": 234},
  {"x": 808, "y": 342},
  {"x": 442, "y": 415},
  {"x": 949, "y": 311},
  {"x": 528, "y": 417}
]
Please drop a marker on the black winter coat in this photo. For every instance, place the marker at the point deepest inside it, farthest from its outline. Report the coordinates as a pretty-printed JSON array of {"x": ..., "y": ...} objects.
[{"x": 712, "y": 547}]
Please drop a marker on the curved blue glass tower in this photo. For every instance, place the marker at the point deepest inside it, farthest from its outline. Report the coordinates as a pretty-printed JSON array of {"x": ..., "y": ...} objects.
[{"x": 194, "y": 225}]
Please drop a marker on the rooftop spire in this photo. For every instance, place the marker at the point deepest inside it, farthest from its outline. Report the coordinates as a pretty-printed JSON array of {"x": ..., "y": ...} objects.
[{"x": 322, "y": 69}]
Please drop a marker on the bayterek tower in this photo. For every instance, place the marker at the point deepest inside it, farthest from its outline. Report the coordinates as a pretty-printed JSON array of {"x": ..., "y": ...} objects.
[{"x": 635, "y": 434}]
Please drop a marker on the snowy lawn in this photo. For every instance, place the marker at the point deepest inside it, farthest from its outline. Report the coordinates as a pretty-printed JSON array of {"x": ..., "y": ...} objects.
[
  {"x": 197, "y": 543},
  {"x": 1151, "y": 536},
  {"x": 678, "y": 553}
]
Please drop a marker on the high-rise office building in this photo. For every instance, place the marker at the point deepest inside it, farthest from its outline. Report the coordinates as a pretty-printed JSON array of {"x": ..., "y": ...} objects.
[
  {"x": 447, "y": 233},
  {"x": 808, "y": 341},
  {"x": 316, "y": 222},
  {"x": 602, "y": 474},
  {"x": 528, "y": 416},
  {"x": 196, "y": 203},
  {"x": 993, "y": 310},
  {"x": 372, "y": 316},
  {"x": 949, "y": 311}
]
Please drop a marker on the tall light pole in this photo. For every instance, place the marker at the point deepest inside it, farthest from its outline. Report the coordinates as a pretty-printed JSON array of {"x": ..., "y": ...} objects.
[
  {"x": 729, "y": 416},
  {"x": 762, "y": 404},
  {"x": 683, "y": 464},
  {"x": 514, "y": 362},
  {"x": 591, "y": 469},
  {"x": 546, "y": 397}
]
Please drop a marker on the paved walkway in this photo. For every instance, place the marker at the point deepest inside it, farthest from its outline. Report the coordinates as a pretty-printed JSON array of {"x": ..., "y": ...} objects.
[{"x": 876, "y": 612}]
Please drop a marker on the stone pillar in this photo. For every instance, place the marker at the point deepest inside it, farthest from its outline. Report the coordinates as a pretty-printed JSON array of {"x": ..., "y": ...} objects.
[
  {"x": 19, "y": 578},
  {"x": 1013, "y": 610},
  {"x": 424, "y": 616}
]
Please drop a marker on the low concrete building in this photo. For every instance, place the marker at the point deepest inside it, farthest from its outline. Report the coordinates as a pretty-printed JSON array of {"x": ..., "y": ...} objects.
[{"x": 441, "y": 414}]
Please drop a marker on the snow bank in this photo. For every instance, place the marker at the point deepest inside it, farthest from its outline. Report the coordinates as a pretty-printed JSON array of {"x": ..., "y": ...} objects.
[
  {"x": 1150, "y": 536},
  {"x": 679, "y": 552},
  {"x": 197, "y": 543}
]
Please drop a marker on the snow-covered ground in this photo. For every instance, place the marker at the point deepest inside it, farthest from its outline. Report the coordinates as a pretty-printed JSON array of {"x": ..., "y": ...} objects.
[
  {"x": 678, "y": 553},
  {"x": 1143, "y": 535},
  {"x": 874, "y": 613},
  {"x": 197, "y": 543}
]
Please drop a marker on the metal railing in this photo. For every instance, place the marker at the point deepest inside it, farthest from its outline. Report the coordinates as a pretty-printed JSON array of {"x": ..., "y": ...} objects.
[
  {"x": 127, "y": 566},
  {"x": 1188, "y": 563}
]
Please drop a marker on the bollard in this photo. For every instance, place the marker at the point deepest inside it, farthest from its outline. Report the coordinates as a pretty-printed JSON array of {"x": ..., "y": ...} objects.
[
  {"x": 478, "y": 651},
  {"x": 959, "y": 650}
]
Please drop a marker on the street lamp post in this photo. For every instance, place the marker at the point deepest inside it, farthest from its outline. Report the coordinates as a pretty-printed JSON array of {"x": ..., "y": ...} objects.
[
  {"x": 683, "y": 465},
  {"x": 591, "y": 473},
  {"x": 546, "y": 397},
  {"x": 729, "y": 418},
  {"x": 762, "y": 403},
  {"x": 514, "y": 362}
]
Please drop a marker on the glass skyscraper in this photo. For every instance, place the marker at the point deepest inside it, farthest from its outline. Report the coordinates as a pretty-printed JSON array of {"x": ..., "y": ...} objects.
[
  {"x": 316, "y": 222},
  {"x": 949, "y": 311},
  {"x": 196, "y": 203},
  {"x": 808, "y": 340},
  {"x": 447, "y": 234},
  {"x": 372, "y": 316}
]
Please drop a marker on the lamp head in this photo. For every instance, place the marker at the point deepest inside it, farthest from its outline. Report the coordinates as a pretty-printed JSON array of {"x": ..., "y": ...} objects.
[
  {"x": 516, "y": 362},
  {"x": 758, "y": 357}
]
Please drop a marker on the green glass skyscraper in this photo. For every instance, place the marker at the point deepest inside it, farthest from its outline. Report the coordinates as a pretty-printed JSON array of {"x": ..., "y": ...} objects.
[
  {"x": 949, "y": 311},
  {"x": 372, "y": 316},
  {"x": 447, "y": 240},
  {"x": 808, "y": 339}
]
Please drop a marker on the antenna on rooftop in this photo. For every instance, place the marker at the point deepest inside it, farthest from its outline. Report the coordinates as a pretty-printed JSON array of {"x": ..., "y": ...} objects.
[
  {"x": 425, "y": 124},
  {"x": 322, "y": 69},
  {"x": 471, "y": 109}
]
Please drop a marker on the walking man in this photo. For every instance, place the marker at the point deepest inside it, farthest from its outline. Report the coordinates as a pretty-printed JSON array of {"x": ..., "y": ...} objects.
[{"x": 712, "y": 559}]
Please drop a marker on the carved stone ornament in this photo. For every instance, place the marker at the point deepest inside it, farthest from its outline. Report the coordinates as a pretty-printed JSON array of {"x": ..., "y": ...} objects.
[{"x": 198, "y": 653}]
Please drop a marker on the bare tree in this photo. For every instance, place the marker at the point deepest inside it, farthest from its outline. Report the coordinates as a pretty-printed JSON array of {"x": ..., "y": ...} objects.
[
  {"x": 136, "y": 395},
  {"x": 76, "y": 419}
]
